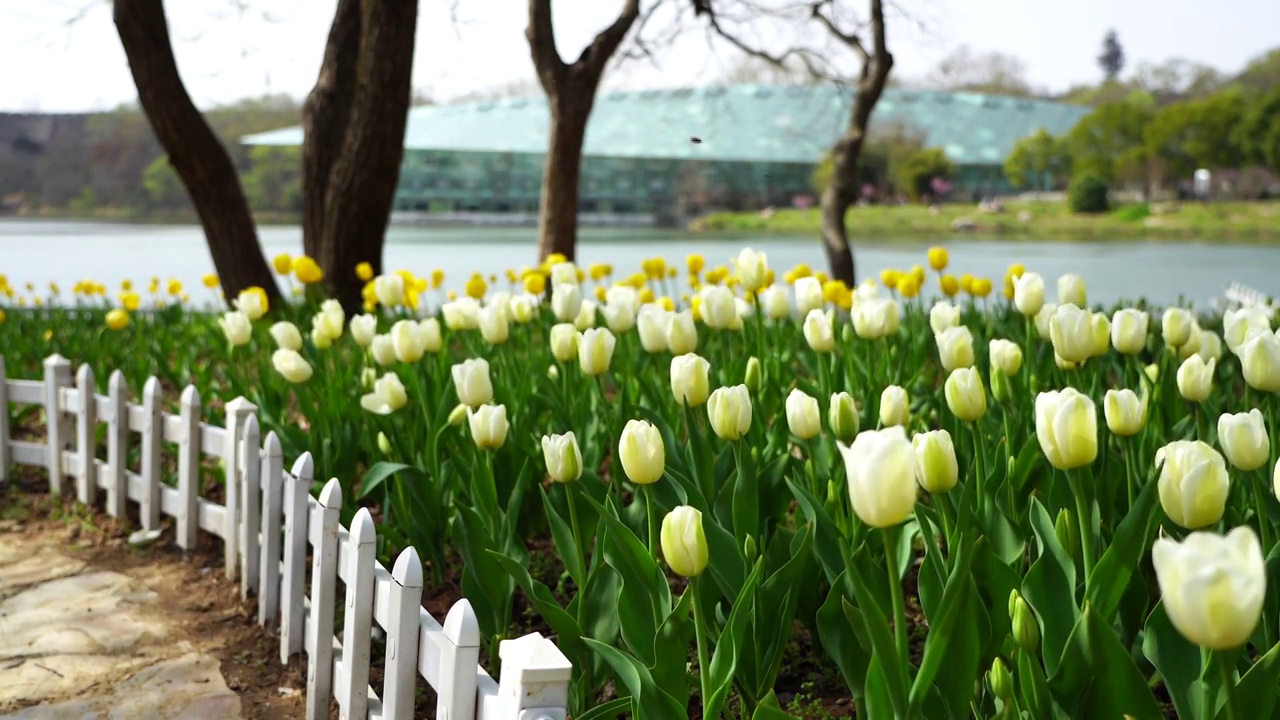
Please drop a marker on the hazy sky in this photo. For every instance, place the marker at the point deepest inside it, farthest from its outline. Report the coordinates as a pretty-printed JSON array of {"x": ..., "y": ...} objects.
[{"x": 51, "y": 65}]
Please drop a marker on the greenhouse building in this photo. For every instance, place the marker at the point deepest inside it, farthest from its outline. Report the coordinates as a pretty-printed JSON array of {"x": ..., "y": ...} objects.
[{"x": 665, "y": 155}]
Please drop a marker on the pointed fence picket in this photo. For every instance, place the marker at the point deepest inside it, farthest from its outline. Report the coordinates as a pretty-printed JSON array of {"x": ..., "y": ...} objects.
[{"x": 269, "y": 521}]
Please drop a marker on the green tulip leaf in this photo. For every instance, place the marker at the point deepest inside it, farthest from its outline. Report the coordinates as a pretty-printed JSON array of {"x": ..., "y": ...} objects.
[
  {"x": 671, "y": 649},
  {"x": 1098, "y": 676},
  {"x": 611, "y": 709},
  {"x": 862, "y": 572},
  {"x": 1256, "y": 690},
  {"x": 841, "y": 641},
  {"x": 568, "y": 633},
  {"x": 746, "y": 498},
  {"x": 827, "y": 540},
  {"x": 724, "y": 660},
  {"x": 1113, "y": 572},
  {"x": 953, "y": 638},
  {"x": 378, "y": 473},
  {"x": 1177, "y": 660},
  {"x": 562, "y": 534},
  {"x": 485, "y": 582},
  {"x": 770, "y": 709},
  {"x": 1049, "y": 588},
  {"x": 774, "y": 615},
  {"x": 648, "y": 699},
  {"x": 1033, "y": 688}
]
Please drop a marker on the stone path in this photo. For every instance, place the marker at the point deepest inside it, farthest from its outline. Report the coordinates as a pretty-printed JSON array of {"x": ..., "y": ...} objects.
[{"x": 86, "y": 638}]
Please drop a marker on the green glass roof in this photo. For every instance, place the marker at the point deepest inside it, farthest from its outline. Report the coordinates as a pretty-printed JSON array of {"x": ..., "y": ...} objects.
[{"x": 757, "y": 123}]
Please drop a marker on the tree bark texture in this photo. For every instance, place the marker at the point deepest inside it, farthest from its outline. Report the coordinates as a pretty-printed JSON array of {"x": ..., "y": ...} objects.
[
  {"x": 325, "y": 116},
  {"x": 571, "y": 92},
  {"x": 842, "y": 191},
  {"x": 194, "y": 151},
  {"x": 362, "y": 182}
]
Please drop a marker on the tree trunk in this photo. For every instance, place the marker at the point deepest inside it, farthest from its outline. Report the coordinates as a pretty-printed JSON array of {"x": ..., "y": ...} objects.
[
  {"x": 325, "y": 116},
  {"x": 362, "y": 182},
  {"x": 571, "y": 92},
  {"x": 194, "y": 151},
  {"x": 562, "y": 177}
]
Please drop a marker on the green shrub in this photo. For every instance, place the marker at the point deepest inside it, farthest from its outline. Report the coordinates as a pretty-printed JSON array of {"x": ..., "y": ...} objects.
[
  {"x": 915, "y": 175},
  {"x": 1088, "y": 194},
  {"x": 1134, "y": 213}
]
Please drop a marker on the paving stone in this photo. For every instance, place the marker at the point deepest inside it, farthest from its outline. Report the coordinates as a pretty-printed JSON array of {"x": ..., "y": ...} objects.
[
  {"x": 94, "y": 612},
  {"x": 21, "y": 570}
]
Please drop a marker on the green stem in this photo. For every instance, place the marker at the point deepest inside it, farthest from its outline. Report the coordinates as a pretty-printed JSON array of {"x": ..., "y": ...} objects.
[
  {"x": 1229, "y": 686},
  {"x": 980, "y": 481},
  {"x": 577, "y": 540},
  {"x": 890, "y": 536},
  {"x": 653, "y": 521},
  {"x": 700, "y": 632},
  {"x": 1084, "y": 513}
]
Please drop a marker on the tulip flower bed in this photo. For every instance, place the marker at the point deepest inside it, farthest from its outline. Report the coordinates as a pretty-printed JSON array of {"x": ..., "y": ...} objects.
[{"x": 983, "y": 507}]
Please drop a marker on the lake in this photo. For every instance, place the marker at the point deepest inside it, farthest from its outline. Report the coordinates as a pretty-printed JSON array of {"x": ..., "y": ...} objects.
[{"x": 69, "y": 251}]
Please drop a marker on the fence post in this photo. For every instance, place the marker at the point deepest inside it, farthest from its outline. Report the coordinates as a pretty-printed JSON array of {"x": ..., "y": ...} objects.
[
  {"x": 251, "y": 466},
  {"x": 4, "y": 425},
  {"x": 534, "y": 684},
  {"x": 401, "y": 665},
  {"x": 456, "y": 696},
  {"x": 324, "y": 584},
  {"x": 57, "y": 375},
  {"x": 297, "y": 491},
  {"x": 357, "y": 625},
  {"x": 189, "y": 470},
  {"x": 237, "y": 414},
  {"x": 86, "y": 437},
  {"x": 269, "y": 579},
  {"x": 117, "y": 446},
  {"x": 152, "y": 444}
]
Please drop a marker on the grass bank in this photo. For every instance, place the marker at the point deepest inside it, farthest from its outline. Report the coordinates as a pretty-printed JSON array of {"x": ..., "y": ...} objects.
[
  {"x": 1236, "y": 221},
  {"x": 142, "y": 217}
]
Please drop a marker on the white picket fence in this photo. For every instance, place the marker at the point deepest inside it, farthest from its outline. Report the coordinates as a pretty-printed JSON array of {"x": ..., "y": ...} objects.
[{"x": 267, "y": 525}]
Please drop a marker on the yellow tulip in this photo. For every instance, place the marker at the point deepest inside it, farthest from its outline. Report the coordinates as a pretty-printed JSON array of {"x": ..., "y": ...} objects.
[
  {"x": 476, "y": 286},
  {"x": 283, "y": 263},
  {"x": 938, "y": 258},
  {"x": 307, "y": 271},
  {"x": 364, "y": 271},
  {"x": 210, "y": 281},
  {"x": 950, "y": 285},
  {"x": 117, "y": 319}
]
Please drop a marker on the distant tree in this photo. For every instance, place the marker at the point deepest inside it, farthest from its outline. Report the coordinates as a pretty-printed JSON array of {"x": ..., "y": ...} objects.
[
  {"x": 1178, "y": 79},
  {"x": 1197, "y": 133},
  {"x": 1040, "y": 162},
  {"x": 916, "y": 174},
  {"x": 750, "y": 70},
  {"x": 1112, "y": 58},
  {"x": 991, "y": 72},
  {"x": 1111, "y": 140},
  {"x": 1108, "y": 91},
  {"x": 1258, "y": 133},
  {"x": 874, "y": 62},
  {"x": 571, "y": 93},
  {"x": 1261, "y": 74},
  {"x": 274, "y": 179},
  {"x": 164, "y": 189}
]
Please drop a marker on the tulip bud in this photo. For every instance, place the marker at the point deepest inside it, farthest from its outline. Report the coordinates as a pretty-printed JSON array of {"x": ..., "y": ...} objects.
[
  {"x": 1193, "y": 483},
  {"x": 363, "y": 328},
  {"x": 330, "y": 320},
  {"x": 383, "y": 350},
  {"x": 1129, "y": 331},
  {"x": 553, "y": 372},
  {"x": 488, "y": 426},
  {"x": 729, "y": 409},
  {"x": 1195, "y": 378},
  {"x": 1001, "y": 681},
  {"x": 564, "y": 342},
  {"x": 943, "y": 315},
  {"x": 1212, "y": 586},
  {"x": 1028, "y": 293},
  {"x": 1067, "y": 428},
  {"x": 936, "y": 468},
  {"x": 684, "y": 544},
  {"x": 1101, "y": 327},
  {"x": 881, "y": 471},
  {"x": 803, "y": 417},
  {"x": 819, "y": 330},
  {"x": 384, "y": 445},
  {"x": 642, "y": 452},
  {"x": 286, "y": 335},
  {"x": 458, "y": 415},
  {"x": 1071, "y": 290},
  {"x": 1026, "y": 630},
  {"x": 751, "y": 378},
  {"x": 1006, "y": 356},
  {"x": 291, "y": 365},
  {"x": 895, "y": 407},
  {"x": 1064, "y": 527},
  {"x": 1126, "y": 413},
  {"x": 955, "y": 348},
  {"x": 471, "y": 382},
  {"x": 682, "y": 334},
  {"x": 1243, "y": 438},
  {"x": 320, "y": 339},
  {"x": 749, "y": 549},
  {"x": 562, "y": 457},
  {"x": 1260, "y": 362},
  {"x": 368, "y": 377},
  {"x": 842, "y": 417},
  {"x": 595, "y": 350},
  {"x": 1001, "y": 387},
  {"x": 1175, "y": 326},
  {"x": 689, "y": 379},
  {"x": 965, "y": 395}
]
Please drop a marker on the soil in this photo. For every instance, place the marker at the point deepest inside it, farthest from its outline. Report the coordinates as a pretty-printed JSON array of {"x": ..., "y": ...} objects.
[{"x": 202, "y": 604}]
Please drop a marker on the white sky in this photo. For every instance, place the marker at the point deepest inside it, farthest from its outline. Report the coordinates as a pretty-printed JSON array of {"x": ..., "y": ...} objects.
[{"x": 49, "y": 65}]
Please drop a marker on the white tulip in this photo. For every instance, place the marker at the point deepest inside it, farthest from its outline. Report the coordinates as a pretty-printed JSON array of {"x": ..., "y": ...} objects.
[
  {"x": 943, "y": 315},
  {"x": 955, "y": 348},
  {"x": 1028, "y": 294},
  {"x": 471, "y": 382},
  {"x": 363, "y": 328},
  {"x": 286, "y": 335},
  {"x": 1212, "y": 586},
  {"x": 819, "y": 330},
  {"x": 881, "y": 469},
  {"x": 291, "y": 365},
  {"x": 566, "y": 301},
  {"x": 803, "y": 417}
]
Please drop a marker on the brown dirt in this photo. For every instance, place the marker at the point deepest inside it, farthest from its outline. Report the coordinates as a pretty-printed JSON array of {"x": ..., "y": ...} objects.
[{"x": 203, "y": 606}]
